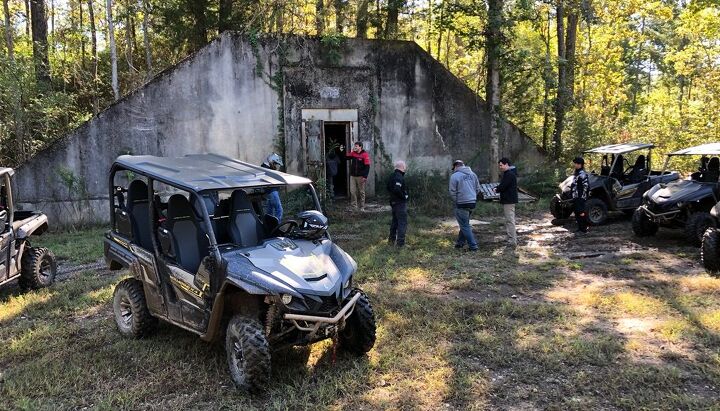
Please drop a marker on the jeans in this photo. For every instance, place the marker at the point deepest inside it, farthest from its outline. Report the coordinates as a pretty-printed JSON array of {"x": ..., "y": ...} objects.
[
  {"x": 509, "y": 211},
  {"x": 465, "y": 235},
  {"x": 398, "y": 226},
  {"x": 357, "y": 189},
  {"x": 273, "y": 206},
  {"x": 581, "y": 214}
]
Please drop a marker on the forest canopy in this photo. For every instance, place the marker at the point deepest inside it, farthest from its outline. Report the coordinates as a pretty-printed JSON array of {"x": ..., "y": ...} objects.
[{"x": 570, "y": 73}]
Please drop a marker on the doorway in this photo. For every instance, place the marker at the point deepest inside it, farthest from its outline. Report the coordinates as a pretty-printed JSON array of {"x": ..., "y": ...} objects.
[{"x": 336, "y": 135}]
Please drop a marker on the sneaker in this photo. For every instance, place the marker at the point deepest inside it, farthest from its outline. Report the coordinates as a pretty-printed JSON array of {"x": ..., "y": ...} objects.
[
  {"x": 459, "y": 246},
  {"x": 472, "y": 249}
]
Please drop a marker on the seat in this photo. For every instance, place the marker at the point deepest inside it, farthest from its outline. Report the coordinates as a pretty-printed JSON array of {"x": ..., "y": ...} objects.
[
  {"x": 713, "y": 171},
  {"x": 138, "y": 208},
  {"x": 639, "y": 172},
  {"x": 617, "y": 169},
  {"x": 246, "y": 229},
  {"x": 189, "y": 240}
]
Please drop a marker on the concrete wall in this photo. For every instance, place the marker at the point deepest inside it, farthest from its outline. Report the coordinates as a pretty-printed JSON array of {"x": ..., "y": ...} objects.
[{"x": 409, "y": 107}]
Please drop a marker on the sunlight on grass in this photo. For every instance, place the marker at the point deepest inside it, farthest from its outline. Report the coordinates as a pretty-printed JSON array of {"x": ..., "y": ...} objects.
[
  {"x": 674, "y": 330},
  {"x": 711, "y": 320},
  {"x": 19, "y": 304},
  {"x": 626, "y": 302},
  {"x": 705, "y": 284}
]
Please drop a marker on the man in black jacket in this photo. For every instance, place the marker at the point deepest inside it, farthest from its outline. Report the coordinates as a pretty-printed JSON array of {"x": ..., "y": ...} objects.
[
  {"x": 398, "y": 201},
  {"x": 580, "y": 189},
  {"x": 508, "y": 197}
]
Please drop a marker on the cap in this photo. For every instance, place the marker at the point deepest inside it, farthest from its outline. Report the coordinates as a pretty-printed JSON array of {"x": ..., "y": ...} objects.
[
  {"x": 458, "y": 162},
  {"x": 579, "y": 160}
]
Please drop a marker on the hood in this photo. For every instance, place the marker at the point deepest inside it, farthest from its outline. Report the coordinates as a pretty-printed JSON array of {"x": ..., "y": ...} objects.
[
  {"x": 678, "y": 190},
  {"x": 512, "y": 170},
  {"x": 295, "y": 267},
  {"x": 464, "y": 170}
]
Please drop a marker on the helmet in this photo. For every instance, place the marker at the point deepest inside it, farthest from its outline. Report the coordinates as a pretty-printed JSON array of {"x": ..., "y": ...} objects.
[
  {"x": 274, "y": 158},
  {"x": 312, "y": 225}
]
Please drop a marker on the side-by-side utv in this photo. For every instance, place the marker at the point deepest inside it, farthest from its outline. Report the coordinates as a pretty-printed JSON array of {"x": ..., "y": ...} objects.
[
  {"x": 685, "y": 203},
  {"x": 34, "y": 267},
  {"x": 617, "y": 182},
  {"x": 204, "y": 256}
]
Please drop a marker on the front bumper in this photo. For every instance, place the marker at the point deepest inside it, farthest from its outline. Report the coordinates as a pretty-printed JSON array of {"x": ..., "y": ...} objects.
[
  {"x": 312, "y": 323},
  {"x": 660, "y": 218}
]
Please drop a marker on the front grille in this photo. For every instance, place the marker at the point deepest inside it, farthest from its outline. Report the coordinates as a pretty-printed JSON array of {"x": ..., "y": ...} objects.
[{"x": 327, "y": 305}]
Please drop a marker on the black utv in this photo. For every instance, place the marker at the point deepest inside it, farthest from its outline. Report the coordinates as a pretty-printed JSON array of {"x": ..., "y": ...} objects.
[
  {"x": 685, "y": 203},
  {"x": 617, "y": 182},
  {"x": 34, "y": 267},
  {"x": 204, "y": 256},
  {"x": 710, "y": 250}
]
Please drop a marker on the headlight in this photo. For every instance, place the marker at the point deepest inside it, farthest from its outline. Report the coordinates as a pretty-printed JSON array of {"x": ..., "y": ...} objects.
[
  {"x": 347, "y": 283},
  {"x": 286, "y": 299}
]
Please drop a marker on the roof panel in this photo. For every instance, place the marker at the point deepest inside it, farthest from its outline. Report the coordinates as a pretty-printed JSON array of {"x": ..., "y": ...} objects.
[
  {"x": 200, "y": 172},
  {"x": 620, "y": 148},
  {"x": 712, "y": 149}
]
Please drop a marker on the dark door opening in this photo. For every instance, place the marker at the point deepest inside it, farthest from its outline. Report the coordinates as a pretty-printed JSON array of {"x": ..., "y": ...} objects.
[{"x": 336, "y": 135}]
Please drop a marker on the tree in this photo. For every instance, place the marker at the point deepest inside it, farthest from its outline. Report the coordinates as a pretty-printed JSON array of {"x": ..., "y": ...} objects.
[
  {"x": 393, "y": 13},
  {"x": 40, "y": 43},
  {"x": 319, "y": 17},
  {"x": 8, "y": 31},
  {"x": 113, "y": 50},
  {"x": 225, "y": 12},
  {"x": 494, "y": 43},
  {"x": 566, "y": 71},
  {"x": 362, "y": 18},
  {"x": 146, "y": 38}
]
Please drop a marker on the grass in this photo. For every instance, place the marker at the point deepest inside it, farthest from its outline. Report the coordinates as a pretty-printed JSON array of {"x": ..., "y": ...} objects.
[{"x": 456, "y": 330}]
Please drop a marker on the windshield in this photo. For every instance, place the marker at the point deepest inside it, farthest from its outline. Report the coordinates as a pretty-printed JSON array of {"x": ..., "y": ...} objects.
[
  {"x": 696, "y": 167},
  {"x": 619, "y": 166}
]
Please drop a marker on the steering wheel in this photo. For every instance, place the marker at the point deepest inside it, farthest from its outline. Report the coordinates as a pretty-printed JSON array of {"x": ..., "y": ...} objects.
[
  {"x": 284, "y": 229},
  {"x": 629, "y": 167}
]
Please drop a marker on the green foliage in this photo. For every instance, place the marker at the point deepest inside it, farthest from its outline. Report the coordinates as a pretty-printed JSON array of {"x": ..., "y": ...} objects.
[{"x": 332, "y": 46}]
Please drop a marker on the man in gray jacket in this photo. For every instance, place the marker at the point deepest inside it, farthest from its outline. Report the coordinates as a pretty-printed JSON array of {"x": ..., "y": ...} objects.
[{"x": 464, "y": 189}]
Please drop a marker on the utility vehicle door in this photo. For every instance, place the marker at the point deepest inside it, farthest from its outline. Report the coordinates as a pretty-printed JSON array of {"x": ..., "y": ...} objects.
[
  {"x": 181, "y": 242},
  {"x": 6, "y": 237}
]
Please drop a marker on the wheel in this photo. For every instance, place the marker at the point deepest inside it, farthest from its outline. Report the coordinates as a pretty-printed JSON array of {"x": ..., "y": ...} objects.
[
  {"x": 596, "y": 211},
  {"x": 131, "y": 312},
  {"x": 696, "y": 225},
  {"x": 248, "y": 353},
  {"x": 358, "y": 336},
  {"x": 710, "y": 254},
  {"x": 642, "y": 225},
  {"x": 557, "y": 210},
  {"x": 38, "y": 268}
]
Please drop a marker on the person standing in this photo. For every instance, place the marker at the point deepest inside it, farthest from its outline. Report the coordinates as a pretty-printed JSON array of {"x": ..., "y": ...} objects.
[
  {"x": 359, "y": 170},
  {"x": 580, "y": 188},
  {"x": 508, "y": 190},
  {"x": 273, "y": 206},
  {"x": 398, "y": 203},
  {"x": 464, "y": 189},
  {"x": 333, "y": 163}
]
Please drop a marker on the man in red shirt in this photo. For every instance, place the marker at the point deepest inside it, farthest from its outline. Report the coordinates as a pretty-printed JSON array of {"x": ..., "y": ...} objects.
[{"x": 359, "y": 170}]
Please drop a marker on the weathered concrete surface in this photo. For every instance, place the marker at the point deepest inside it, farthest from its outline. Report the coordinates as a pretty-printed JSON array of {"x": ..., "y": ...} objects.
[{"x": 245, "y": 100}]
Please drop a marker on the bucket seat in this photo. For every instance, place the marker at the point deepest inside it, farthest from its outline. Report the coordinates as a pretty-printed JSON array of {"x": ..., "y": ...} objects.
[
  {"x": 189, "y": 240},
  {"x": 138, "y": 207},
  {"x": 246, "y": 229}
]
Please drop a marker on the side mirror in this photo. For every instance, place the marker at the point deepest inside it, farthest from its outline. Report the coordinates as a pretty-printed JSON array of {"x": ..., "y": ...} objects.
[{"x": 3, "y": 218}]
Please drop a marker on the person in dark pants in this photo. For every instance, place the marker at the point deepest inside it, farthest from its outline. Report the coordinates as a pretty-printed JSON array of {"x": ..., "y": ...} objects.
[
  {"x": 508, "y": 190},
  {"x": 398, "y": 202},
  {"x": 580, "y": 188},
  {"x": 332, "y": 163}
]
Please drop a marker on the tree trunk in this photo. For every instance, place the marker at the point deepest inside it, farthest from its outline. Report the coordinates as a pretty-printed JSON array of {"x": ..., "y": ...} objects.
[
  {"x": 93, "y": 38},
  {"x": 493, "y": 51},
  {"x": 570, "y": 42},
  {"x": 8, "y": 32},
  {"x": 82, "y": 36},
  {"x": 319, "y": 17},
  {"x": 224, "y": 15},
  {"x": 113, "y": 50},
  {"x": 391, "y": 25},
  {"x": 547, "y": 77},
  {"x": 40, "y": 43},
  {"x": 129, "y": 23},
  {"x": 362, "y": 18},
  {"x": 340, "y": 6},
  {"x": 146, "y": 39},
  {"x": 27, "y": 18},
  {"x": 198, "y": 9},
  {"x": 562, "y": 88}
]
